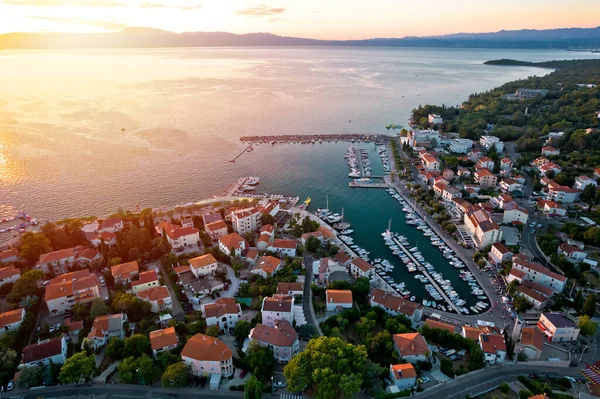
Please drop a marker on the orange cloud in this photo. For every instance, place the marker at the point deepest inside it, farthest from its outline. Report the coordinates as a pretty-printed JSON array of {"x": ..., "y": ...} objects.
[{"x": 260, "y": 11}]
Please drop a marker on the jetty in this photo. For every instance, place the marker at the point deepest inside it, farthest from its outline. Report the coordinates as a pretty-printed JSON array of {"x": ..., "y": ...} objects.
[
  {"x": 424, "y": 271},
  {"x": 317, "y": 138},
  {"x": 241, "y": 153},
  {"x": 367, "y": 183}
]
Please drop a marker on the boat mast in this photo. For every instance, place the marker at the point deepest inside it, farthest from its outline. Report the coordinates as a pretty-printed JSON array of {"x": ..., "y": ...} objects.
[
  {"x": 390, "y": 225},
  {"x": 327, "y": 201}
]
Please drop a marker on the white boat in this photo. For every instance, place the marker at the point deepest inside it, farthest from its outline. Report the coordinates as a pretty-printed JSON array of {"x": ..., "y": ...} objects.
[
  {"x": 246, "y": 187},
  {"x": 336, "y": 217},
  {"x": 412, "y": 298},
  {"x": 347, "y": 231},
  {"x": 252, "y": 181}
]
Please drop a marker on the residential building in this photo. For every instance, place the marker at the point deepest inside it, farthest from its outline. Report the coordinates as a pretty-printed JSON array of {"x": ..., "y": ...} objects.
[
  {"x": 557, "y": 327},
  {"x": 448, "y": 174},
  {"x": 105, "y": 328},
  {"x": 317, "y": 234},
  {"x": 515, "y": 216},
  {"x": 125, "y": 273},
  {"x": 532, "y": 343},
  {"x": 563, "y": 194},
  {"x": 435, "y": 119},
  {"x": 224, "y": 312},
  {"x": 11, "y": 320},
  {"x": 53, "y": 350},
  {"x": 203, "y": 265},
  {"x": 499, "y": 253},
  {"x": 211, "y": 218},
  {"x": 216, "y": 229},
  {"x": 283, "y": 247},
  {"x": 571, "y": 252},
  {"x": 281, "y": 338},
  {"x": 247, "y": 220},
  {"x": 9, "y": 274},
  {"x": 436, "y": 324},
  {"x": 111, "y": 225},
  {"x": 338, "y": 300},
  {"x": 411, "y": 347},
  {"x": 450, "y": 193},
  {"x": 485, "y": 178},
  {"x": 293, "y": 289},
  {"x": 509, "y": 185},
  {"x": 583, "y": 181},
  {"x": 56, "y": 262},
  {"x": 471, "y": 332},
  {"x": 481, "y": 226},
  {"x": 460, "y": 146},
  {"x": 179, "y": 237},
  {"x": 396, "y": 305},
  {"x": 438, "y": 189},
  {"x": 208, "y": 356},
  {"x": 488, "y": 142},
  {"x": 430, "y": 162},
  {"x": 233, "y": 244},
  {"x": 158, "y": 297},
  {"x": 475, "y": 155},
  {"x": 423, "y": 138},
  {"x": 163, "y": 340},
  {"x": 10, "y": 255},
  {"x": 252, "y": 256},
  {"x": 326, "y": 270},
  {"x": 147, "y": 280},
  {"x": 277, "y": 307},
  {"x": 506, "y": 164},
  {"x": 485, "y": 163},
  {"x": 361, "y": 268},
  {"x": 493, "y": 347},
  {"x": 266, "y": 266},
  {"x": 538, "y": 274},
  {"x": 551, "y": 208},
  {"x": 271, "y": 208},
  {"x": 404, "y": 376},
  {"x": 550, "y": 167},
  {"x": 525, "y": 94},
  {"x": 535, "y": 297},
  {"x": 109, "y": 239},
  {"x": 549, "y": 151},
  {"x": 66, "y": 290}
]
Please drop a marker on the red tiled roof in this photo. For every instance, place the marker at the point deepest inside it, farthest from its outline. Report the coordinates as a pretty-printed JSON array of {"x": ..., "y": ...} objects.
[
  {"x": 282, "y": 334},
  {"x": 206, "y": 348},
  {"x": 125, "y": 270},
  {"x": 278, "y": 303},
  {"x": 411, "y": 344},
  {"x": 431, "y": 323},
  {"x": 146, "y": 277},
  {"x": 233, "y": 240},
  {"x": 280, "y": 243},
  {"x": 268, "y": 264},
  {"x": 42, "y": 350},
  {"x": 154, "y": 294},
  {"x": 338, "y": 296},
  {"x": 216, "y": 226},
  {"x": 402, "y": 371},
  {"x": 532, "y": 336},
  {"x": 202, "y": 261},
  {"x": 540, "y": 269},
  {"x": 163, "y": 338},
  {"x": 394, "y": 302},
  {"x": 9, "y": 253},
  {"x": 220, "y": 307},
  {"x": 362, "y": 264},
  {"x": 57, "y": 255},
  {"x": 10, "y": 317},
  {"x": 9, "y": 271},
  {"x": 471, "y": 332},
  {"x": 285, "y": 288},
  {"x": 501, "y": 248},
  {"x": 492, "y": 343}
]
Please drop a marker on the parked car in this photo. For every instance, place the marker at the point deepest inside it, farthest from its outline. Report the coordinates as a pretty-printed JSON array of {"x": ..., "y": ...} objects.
[
  {"x": 424, "y": 380},
  {"x": 454, "y": 357},
  {"x": 280, "y": 384},
  {"x": 52, "y": 328},
  {"x": 242, "y": 373},
  {"x": 10, "y": 385}
]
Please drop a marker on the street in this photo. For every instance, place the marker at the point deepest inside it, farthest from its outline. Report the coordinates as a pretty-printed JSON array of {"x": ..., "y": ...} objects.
[{"x": 307, "y": 305}]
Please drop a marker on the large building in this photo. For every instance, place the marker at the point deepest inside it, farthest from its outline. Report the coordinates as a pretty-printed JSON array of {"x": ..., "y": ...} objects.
[
  {"x": 53, "y": 350},
  {"x": 203, "y": 265},
  {"x": 106, "y": 327},
  {"x": 179, "y": 237},
  {"x": 423, "y": 138},
  {"x": 488, "y": 142},
  {"x": 245, "y": 221},
  {"x": 460, "y": 146},
  {"x": 485, "y": 178},
  {"x": 66, "y": 290},
  {"x": 411, "y": 347},
  {"x": 281, "y": 338},
  {"x": 59, "y": 262},
  {"x": 277, "y": 307},
  {"x": 557, "y": 327},
  {"x": 481, "y": 226},
  {"x": 525, "y": 94},
  {"x": 524, "y": 270},
  {"x": 224, "y": 312},
  {"x": 208, "y": 356},
  {"x": 396, "y": 305},
  {"x": 583, "y": 181},
  {"x": 563, "y": 194}
]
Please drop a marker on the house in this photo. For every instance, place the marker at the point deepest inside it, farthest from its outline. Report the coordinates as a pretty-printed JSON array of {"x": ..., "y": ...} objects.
[
  {"x": 488, "y": 142},
  {"x": 125, "y": 273},
  {"x": 493, "y": 347},
  {"x": 460, "y": 205},
  {"x": 475, "y": 155},
  {"x": 583, "y": 181},
  {"x": 111, "y": 225},
  {"x": 106, "y": 327},
  {"x": 10, "y": 255},
  {"x": 435, "y": 324},
  {"x": 563, "y": 194},
  {"x": 538, "y": 299},
  {"x": 252, "y": 256},
  {"x": 9, "y": 274},
  {"x": 471, "y": 332},
  {"x": 550, "y": 167},
  {"x": 84, "y": 256},
  {"x": 485, "y": 178},
  {"x": 557, "y": 327},
  {"x": 281, "y": 338},
  {"x": 57, "y": 261},
  {"x": 537, "y": 273},
  {"x": 233, "y": 244},
  {"x": 53, "y": 350},
  {"x": 267, "y": 235},
  {"x": 147, "y": 280},
  {"x": 208, "y": 356},
  {"x": 463, "y": 172},
  {"x": 106, "y": 237},
  {"x": 450, "y": 193},
  {"x": 179, "y": 237},
  {"x": 11, "y": 320},
  {"x": 516, "y": 215},
  {"x": 246, "y": 220},
  {"x": 73, "y": 329},
  {"x": 460, "y": 146},
  {"x": 423, "y": 138},
  {"x": 272, "y": 208},
  {"x": 224, "y": 312},
  {"x": 525, "y": 94},
  {"x": 404, "y": 376},
  {"x": 158, "y": 297},
  {"x": 266, "y": 266},
  {"x": 448, "y": 174},
  {"x": 326, "y": 270},
  {"x": 430, "y": 162},
  {"x": 66, "y": 290},
  {"x": 317, "y": 234},
  {"x": 396, "y": 305},
  {"x": 338, "y": 300},
  {"x": 485, "y": 163},
  {"x": 284, "y": 247},
  {"x": 209, "y": 218},
  {"x": 411, "y": 347},
  {"x": 216, "y": 229},
  {"x": 435, "y": 119},
  {"x": 438, "y": 189},
  {"x": 504, "y": 201},
  {"x": 506, "y": 164},
  {"x": 163, "y": 340},
  {"x": 571, "y": 252},
  {"x": 532, "y": 343},
  {"x": 277, "y": 307},
  {"x": 203, "y": 265},
  {"x": 499, "y": 253},
  {"x": 509, "y": 185},
  {"x": 551, "y": 208},
  {"x": 548, "y": 151},
  {"x": 361, "y": 268},
  {"x": 293, "y": 289},
  {"x": 481, "y": 226}
]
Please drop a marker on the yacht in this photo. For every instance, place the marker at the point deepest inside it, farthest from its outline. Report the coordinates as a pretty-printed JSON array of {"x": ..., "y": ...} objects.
[
  {"x": 252, "y": 181},
  {"x": 347, "y": 231},
  {"x": 336, "y": 217}
]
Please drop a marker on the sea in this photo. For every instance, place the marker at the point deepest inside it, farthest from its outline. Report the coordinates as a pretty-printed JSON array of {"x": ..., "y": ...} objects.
[{"x": 85, "y": 132}]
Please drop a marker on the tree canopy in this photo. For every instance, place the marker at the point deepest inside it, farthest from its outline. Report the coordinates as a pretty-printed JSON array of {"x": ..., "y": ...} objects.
[
  {"x": 77, "y": 366},
  {"x": 33, "y": 245},
  {"x": 176, "y": 376}
]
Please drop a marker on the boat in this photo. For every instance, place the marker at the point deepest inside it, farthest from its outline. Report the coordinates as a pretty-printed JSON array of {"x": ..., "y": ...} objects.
[
  {"x": 307, "y": 201},
  {"x": 252, "y": 181},
  {"x": 412, "y": 298},
  {"x": 246, "y": 187},
  {"x": 347, "y": 231}
]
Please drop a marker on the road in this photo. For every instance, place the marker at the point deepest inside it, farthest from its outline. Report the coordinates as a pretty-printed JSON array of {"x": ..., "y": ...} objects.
[
  {"x": 235, "y": 282},
  {"x": 177, "y": 309},
  {"x": 307, "y": 305},
  {"x": 476, "y": 381}
]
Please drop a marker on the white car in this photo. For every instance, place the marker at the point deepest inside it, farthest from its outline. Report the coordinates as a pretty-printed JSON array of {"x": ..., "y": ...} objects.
[
  {"x": 424, "y": 380},
  {"x": 280, "y": 384},
  {"x": 10, "y": 385}
]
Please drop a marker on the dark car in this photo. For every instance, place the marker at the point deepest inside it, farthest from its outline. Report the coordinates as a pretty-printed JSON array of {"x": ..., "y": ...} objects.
[
  {"x": 242, "y": 373},
  {"x": 534, "y": 376}
]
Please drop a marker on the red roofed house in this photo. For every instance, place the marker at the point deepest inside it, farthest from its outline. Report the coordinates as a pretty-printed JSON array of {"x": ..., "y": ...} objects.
[
  {"x": 163, "y": 340},
  {"x": 9, "y": 274},
  {"x": 583, "y": 181},
  {"x": 338, "y": 300},
  {"x": 493, "y": 347},
  {"x": 551, "y": 208},
  {"x": 43, "y": 352},
  {"x": 515, "y": 215},
  {"x": 549, "y": 167},
  {"x": 532, "y": 343},
  {"x": 563, "y": 194},
  {"x": 179, "y": 237},
  {"x": 293, "y": 289},
  {"x": 317, "y": 234},
  {"x": 485, "y": 163},
  {"x": 471, "y": 332},
  {"x": 111, "y": 225},
  {"x": 233, "y": 242},
  {"x": 267, "y": 234},
  {"x": 438, "y": 189},
  {"x": 481, "y": 226},
  {"x": 224, "y": 312},
  {"x": 448, "y": 174},
  {"x": 509, "y": 185},
  {"x": 246, "y": 220},
  {"x": 499, "y": 253},
  {"x": 57, "y": 261},
  {"x": 430, "y": 162},
  {"x": 216, "y": 229},
  {"x": 485, "y": 178},
  {"x": 572, "y": 253},
  {"x": 266, "y": 266},
  {"x": 284, "y": 247},
  {"x": 158, "y": 298},
  {"x": 361, "y": 268},
  {"x": 109, "y": 239},
  {"x": 147, "y": 280},
  {"x": 548, "y": 151},
  {"x": 66, "y": 290},
  {"x": 104, "y": 328},
  {"x": 538, "y": 274},
  {"x": 272, "y": 208},
  {"x": 411, "y": 347},
  {"x": 435, "y": 324},
  {"x": 10, "y": 255},
  {"x": 208, "y": 356},
  {"x": 277, "y": 307},
  {"x": 203, "y": 265},
  {"x": 396, "y": 305},
  {"x": 11, "y": 320},
  {"x": 536, "y": 294},
  {"x": 281, "y": 338},
  {"x": 125, "y": 272},
  {"x": 506, "y": 164},
  {"x": 404, "y": 376}
]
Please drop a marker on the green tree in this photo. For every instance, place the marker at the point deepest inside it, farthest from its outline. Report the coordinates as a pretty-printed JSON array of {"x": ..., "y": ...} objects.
[
  {"x": 136, "y": 346},
  {"x": 329, "y": 367},
  {"x": 312, "y": 244},
  {"x": 364, "y": 326},
  {"x": 380, "y": 347},
  {"x": 99, "y": 308},
  {"x": 213, "y": 331},
  {"x": 242, "y": 330},
  {"x": 77, "y": 366},
  {"x": 253, "y": 389},
  {"x": 578, "y": 301},
  {"x": 512, "y": 287},
  {"x": 176, "y": 376},
  {"x": 33, "y": 245},
  {"x": 447, "y": 368},
  {"x": 522, "y": 304},
  {"x": 30, "y": 377},
  {"x": 146, "y": 371},
  {"x": 587, "y": 326},
  {"x": 25, "y": 286},
  {"x": 135, "y": 308},
  {"x": 127, "y": 370},
  {"x": 115, "y": 348},
  {"x": 166, "y": 358},
  {"x": 589, "y": 306},
  {"x": 261, "y": 361}
]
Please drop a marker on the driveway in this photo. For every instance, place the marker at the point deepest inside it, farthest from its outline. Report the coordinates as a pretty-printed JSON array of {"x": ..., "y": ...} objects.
[
  {"x": 177, "y": 309},
  {"x": 235, "y": 283}
]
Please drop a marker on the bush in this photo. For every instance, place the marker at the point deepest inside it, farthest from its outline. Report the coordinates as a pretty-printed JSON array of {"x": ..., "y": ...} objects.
[
  {"x": 504, "y": 388},
  {"x": 447, "y": 368},
  {"x": 525, "y": 394}
]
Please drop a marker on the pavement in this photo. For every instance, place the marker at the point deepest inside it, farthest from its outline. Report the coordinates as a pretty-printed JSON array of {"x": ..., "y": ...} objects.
[{"x": 235, "y": 283}]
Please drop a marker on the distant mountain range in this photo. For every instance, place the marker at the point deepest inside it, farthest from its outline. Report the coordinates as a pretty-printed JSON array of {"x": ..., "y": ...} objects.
[{"x": 568, "y": 38}]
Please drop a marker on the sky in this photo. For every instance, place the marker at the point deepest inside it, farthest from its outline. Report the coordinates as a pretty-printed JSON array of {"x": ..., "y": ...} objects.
[{"x": 319, "y": 19}]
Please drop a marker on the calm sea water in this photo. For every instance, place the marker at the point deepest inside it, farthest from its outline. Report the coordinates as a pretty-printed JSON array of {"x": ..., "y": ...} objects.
[{"x": 63, "y": 152}]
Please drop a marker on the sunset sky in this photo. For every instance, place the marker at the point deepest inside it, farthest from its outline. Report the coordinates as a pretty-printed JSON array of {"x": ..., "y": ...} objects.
[{"x": 322, "y": 19}]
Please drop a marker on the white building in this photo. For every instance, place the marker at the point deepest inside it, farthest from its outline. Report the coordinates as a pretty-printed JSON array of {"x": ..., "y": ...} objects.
[
  {"x": 430, "y": 162},
  {"x": 361, "y": 268},
  {"x": 293, "y": 289},
  {"x": 482, "y": 228},
  {"x": 203, "y": 265},
  {"x": 404, "y": 376},
  {"x": 9, "y": 274},
  {"x": 488, "y": 142},
  {"x": 233, "y": 244},
  {"x": 207, "y": 356},
  {"x": 11, "y": 320},
  {"x": 66, "y": 290},
  {"x": 557, "y": 327},
  {"x": 163, "y": 340},
  {"x": 178, "y": 236},
  {"x": 411, "y": 347},
  {"x": 571, "y": 252},
  {"x": 493, "y": 347},
  {"x": 104, "y": 328},
  {"x": 338, "y": 300},
  {"x": 266, "y": 266},
  {"x": 158, "y": 297},
  {"x": 460, "y": 146},
  {"x": 109, "y": 239},
  {"x": 283, "y": 247},
  {"x": 277, "y": 307},
  {"x": 111, "y": 225},
  {"x": 246, "y": 220},
  {"x": 224, "y": 312},
  {"x": 43, "y": 352},
  {"x": 509, "y": 185},
  {"x": 281, "y": 338},
  {"x": 583, "y": 181},
  {"x": 563, "y": 194},
  {"x": 423, "y": 138},
  {"x": 515, "y": 215},
  {"x": 148, "y": 279},
  {"x": 435, "y": 119},
  {"x": 537, "y": 273}
]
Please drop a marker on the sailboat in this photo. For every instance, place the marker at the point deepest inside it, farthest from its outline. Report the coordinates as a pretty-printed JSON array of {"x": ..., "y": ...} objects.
[
  {"x": 342, "y": 225},
  {"x": 324, "y": 211}
]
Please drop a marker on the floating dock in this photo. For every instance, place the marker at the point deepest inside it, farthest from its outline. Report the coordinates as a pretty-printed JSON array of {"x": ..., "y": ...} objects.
[
  {"x": 367, "y": 183},
  {"x": 317, "y": 138}
]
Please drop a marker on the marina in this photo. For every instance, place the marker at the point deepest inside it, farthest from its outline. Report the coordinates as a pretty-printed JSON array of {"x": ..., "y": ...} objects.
[{"x": 316, "y": 138}]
